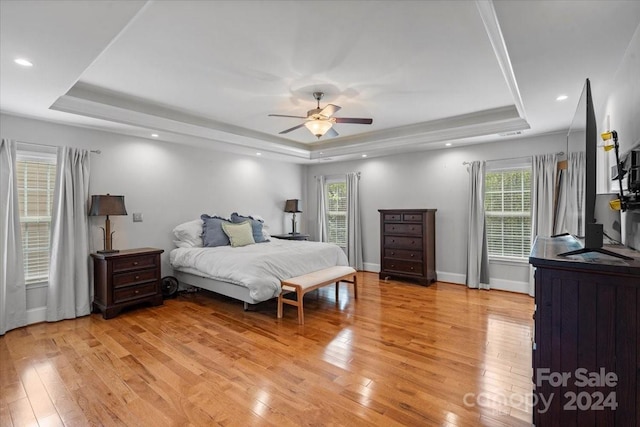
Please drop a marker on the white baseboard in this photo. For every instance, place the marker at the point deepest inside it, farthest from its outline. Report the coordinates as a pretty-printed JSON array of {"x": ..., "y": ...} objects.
[
  {"x": 36, "y": 315},
  {"x": 369, "y": 266},
  {"x": 509, "y": 285},
  {"x": 456, "y": 278}
]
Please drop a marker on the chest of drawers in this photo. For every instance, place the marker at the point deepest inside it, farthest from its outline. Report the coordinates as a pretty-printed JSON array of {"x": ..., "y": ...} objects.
[
  {"x": 126, "y": 278},
  {"x": 407, "y": 244}
]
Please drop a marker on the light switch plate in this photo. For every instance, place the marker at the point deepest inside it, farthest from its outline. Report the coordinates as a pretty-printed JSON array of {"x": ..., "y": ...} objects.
[{"x": 137, "y": 217}]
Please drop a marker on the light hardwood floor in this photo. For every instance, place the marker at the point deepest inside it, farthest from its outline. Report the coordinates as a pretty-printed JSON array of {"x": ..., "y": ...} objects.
[{"x": 401, "y": 354}]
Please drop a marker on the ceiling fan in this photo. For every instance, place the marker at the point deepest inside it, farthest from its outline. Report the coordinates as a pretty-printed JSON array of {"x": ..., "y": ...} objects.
[{"x": 320, "y": 121}]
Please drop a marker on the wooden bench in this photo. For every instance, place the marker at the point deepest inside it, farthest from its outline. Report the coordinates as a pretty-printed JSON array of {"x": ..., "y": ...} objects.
[{"x": 312, "y": 281}]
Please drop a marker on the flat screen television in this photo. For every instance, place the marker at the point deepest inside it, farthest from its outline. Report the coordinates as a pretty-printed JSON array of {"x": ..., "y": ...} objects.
[{"x": 582, "y": 146}]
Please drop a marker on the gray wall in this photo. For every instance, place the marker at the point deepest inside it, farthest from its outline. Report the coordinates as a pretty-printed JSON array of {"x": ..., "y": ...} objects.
[
  {"x": 431, "y": 179},
  {"x": 168, "y": 183},
  {"x": 622, "y": 110}
]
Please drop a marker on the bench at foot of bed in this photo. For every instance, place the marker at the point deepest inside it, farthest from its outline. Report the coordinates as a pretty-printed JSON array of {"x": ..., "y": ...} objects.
[{"x": 312, "y": 281}]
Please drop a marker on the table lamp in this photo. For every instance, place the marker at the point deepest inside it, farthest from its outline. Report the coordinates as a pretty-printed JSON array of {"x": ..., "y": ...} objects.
[
  {"x": 105, "y": 205},
  {"x": 292, "y": 206}
]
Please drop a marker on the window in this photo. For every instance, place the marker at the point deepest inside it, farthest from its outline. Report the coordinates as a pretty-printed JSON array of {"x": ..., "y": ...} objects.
[
  {"x": 337, "y": 212},
  {"x": 36, "y": 181},
  {"x": 507, "y": 207}
]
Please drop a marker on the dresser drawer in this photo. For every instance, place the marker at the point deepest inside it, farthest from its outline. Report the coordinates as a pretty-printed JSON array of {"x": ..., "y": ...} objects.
[
  {"x": 395, "y": 242},
  {"x": 405, "y": 267},
  {"x": 392, "y": 217},
  {"x": 411, "y": 229},
  {"x": 133, "y": 292},
  {"x": 403, "y": 254},
  {"x": 137, "y": 262},
  {"x": 134, "y": 277},
  {"x": 409, "y": 217}
]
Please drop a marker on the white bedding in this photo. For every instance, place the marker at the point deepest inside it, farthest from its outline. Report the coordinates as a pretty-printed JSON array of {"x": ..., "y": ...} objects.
[{"x": 261, "y": 266}]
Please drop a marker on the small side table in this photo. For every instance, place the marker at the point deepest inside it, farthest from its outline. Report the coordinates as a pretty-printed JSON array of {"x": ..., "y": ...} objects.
[
  {"x": 296, "y": 236},
  {"x": 126, "y": 278}
]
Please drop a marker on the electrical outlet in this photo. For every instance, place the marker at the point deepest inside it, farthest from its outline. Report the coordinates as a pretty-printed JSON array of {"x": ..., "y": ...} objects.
[{"x": 137, "y": 217}]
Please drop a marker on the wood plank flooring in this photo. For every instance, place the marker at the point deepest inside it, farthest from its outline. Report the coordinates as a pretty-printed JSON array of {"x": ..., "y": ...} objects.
[{"x": 401, "y": 354}]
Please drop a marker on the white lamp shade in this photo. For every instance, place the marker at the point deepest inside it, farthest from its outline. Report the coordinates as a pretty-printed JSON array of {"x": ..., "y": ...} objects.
[{"x": 318, "y": 127}]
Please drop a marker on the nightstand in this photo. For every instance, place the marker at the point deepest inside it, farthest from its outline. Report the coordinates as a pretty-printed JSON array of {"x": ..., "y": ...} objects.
[
  {"x": 296, "y": 236},
  {"x": 126, "y": 278}
]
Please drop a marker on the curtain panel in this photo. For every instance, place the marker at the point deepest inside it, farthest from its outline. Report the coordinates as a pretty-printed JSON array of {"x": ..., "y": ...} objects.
[
  {"x": 13, "y": 297},
  {"x": 69, "y": 293},
  {"x": 354, "y": 225},
  {"x": 322, "y": 209},
  {"x": 477, "y": 252},
  {"x": 543, "y": 184}
]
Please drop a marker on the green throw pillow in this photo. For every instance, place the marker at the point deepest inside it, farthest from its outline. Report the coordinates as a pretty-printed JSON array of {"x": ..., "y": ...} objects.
[{"x": 239, "y": 234}]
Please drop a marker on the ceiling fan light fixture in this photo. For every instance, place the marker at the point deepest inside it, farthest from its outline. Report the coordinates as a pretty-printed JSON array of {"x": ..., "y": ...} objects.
[{"x": 318, "y": 127}]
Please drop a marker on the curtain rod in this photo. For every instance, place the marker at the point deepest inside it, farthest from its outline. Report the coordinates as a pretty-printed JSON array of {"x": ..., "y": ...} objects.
[
  {"x": 50, "y": 146},
  {"x": 560, "y": 153}
]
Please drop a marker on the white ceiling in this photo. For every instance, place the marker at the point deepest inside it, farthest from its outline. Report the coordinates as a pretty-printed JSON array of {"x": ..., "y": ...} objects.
[{"x": 208, "y": 73}]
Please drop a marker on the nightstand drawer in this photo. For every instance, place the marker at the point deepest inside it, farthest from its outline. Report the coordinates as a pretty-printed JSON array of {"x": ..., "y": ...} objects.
[
  {"x": 412, "y": 229},
  {"x": 137, "y": 262},
  {"x": 133, "y": 292},
  {"x": 402, "y": 242},
  {"x": 403, "y": 266},
  {"x": 134, "y": 277}
]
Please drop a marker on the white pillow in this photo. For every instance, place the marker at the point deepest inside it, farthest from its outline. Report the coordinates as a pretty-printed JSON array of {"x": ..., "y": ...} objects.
[
  {"x": 181, "y": 244},
  {"x": 189, "y": 233}
]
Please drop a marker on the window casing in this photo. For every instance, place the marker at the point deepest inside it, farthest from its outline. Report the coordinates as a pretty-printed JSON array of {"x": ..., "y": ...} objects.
[
  {"x": 336, "y": 199},
  {"x": 36, "y": 176},
  {"x": 508, "y": 212}
]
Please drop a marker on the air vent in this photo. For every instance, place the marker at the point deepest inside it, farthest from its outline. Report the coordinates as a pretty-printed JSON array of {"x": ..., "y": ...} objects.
[{"x": 514, "y": 133}]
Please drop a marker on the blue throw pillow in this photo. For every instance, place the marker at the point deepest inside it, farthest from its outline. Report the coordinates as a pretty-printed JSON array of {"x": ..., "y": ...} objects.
[
  {"x": 212, "y": 233},
  {"x": 256, "y": 226}
]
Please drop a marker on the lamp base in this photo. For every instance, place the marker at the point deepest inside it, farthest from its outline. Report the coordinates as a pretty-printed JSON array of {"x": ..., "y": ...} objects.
[{"x": 109, "y": 251}]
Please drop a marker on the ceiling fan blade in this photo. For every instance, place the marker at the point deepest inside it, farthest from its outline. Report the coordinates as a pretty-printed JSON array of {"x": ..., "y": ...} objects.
[
  {"x": 284, "y": 115},
  {"x": 293, "y": 128},
  {"x": 329, "y": 110},
  {"x": 353, "y": 120},
  {"x": 331, "y": 133}
]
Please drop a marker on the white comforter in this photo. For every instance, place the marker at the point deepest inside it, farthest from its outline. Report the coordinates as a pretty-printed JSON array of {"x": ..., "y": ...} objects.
[{"x": 261, "y": 266}]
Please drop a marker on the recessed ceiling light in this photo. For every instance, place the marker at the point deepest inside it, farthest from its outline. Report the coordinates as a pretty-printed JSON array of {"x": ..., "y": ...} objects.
[
  {"x": 23, "y": 62},
  {"x": 258, "y": 154},
  {"x": 561, "y": 98},
  {"x": 364, "y": 155},
  {"x": 154, "y": 135},
  {"x": 448, "y": 144}
]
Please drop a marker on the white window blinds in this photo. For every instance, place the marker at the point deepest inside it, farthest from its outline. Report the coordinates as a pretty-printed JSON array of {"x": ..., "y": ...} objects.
[
  {"x": 36, "y": 181},
  {"x": 508, "y": 212},
  {"x": 337, "y": 212}
]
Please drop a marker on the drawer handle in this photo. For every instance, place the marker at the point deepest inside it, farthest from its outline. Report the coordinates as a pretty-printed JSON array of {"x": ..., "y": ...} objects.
[
  {"x": 411, "y": 268},
  {"x": 136, "y": 292},
  {"x": 137, "y": 277},
  {"x": 135, "y": 262},
  {"x": 393, "y": 240},
  {"x": 393, "y": 253},
  {"x": 393, "y": 265},
  {"x": 413, "y": 242},
  {"x": 412, "y": 255}
]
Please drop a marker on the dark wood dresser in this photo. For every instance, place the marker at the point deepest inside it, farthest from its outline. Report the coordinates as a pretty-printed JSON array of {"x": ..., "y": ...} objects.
[
  {"x": 126, "y": 278},
  {"x": 586, "y": 349},
  {"x": 408, "y": 244}
]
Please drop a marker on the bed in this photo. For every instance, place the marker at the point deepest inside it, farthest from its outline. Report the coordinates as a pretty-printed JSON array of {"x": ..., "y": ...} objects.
[{"x": 252, "y": 273}]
